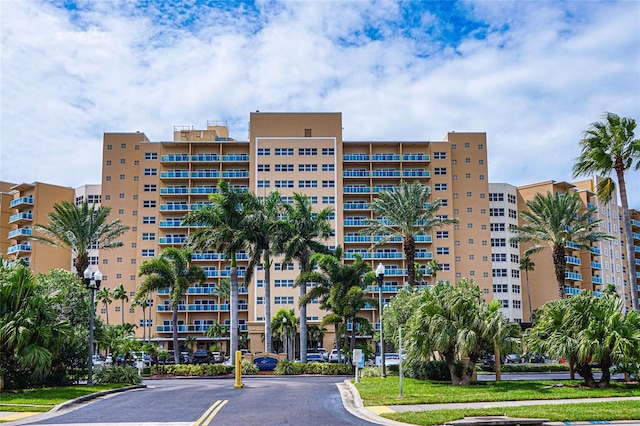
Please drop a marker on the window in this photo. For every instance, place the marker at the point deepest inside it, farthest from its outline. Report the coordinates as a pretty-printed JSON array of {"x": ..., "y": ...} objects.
[
  {"x": 440, "y": 171},
  {"x": 328, "y": 200},
  {"x": 108, "y": 162},
  {"x": 440, "y": 186},
  {"x": 108, "y": 178},
  {"x": 151, "y": 172},
  {"x": 148, "y": 236},
  {"x": 511, "y": 198},
  {"x": 260, "y": 300},
  {"x": 264, "y": 151},
  {"x": 470, "y": 240},
  {"x": 515, "y": 288},
  {"x": 264, "y": 184},
  {"x": 442, "y": 234},
  {"x": 120, "y": 211},
  {"x": 496, "y": 197},
  {"x": 328, "y": 167},
  {"x": 150, "y": 155},
  {"x": 148, "y": 220},
  {"x": 498, "y": 257},
  {"x": 497, "y": 273},
  {"x": 109, "y": 147},
  {"x": 497, "y": 227},
  {"x": 467, "y": 145},
  {"x": 307, "y": 184},
  {"x": 121, "y": 195},
  {"x": 123, "y": 145},
  {"x": 445, "y": 267},
  {"x": 495, "y": 212},
  {"x": 284, "y": 167},
  {"x": 122, "y": 177},
  {"x": 133, "y": 261},
  {"x": 515, "y": 273},
  {"x": 150, "y": 188},
  {"x": 467, "y": 176},
  {"x": 501, "y": 288},
  {"x": 468, "y": 194},
  {"x": 498, "y": 242},
  {"x": 283, "y": 151},
  {"x": 328, "y": 151},
  {"x": 517, "y": 304},
  {"x": 308, "y": 151},
  {"x": 148, "y": 252},
  {"x": 467, "y": 160},
  {"x": 515, "y": 258},
  {"x": 442, "y": 250},
  {"x": 439, "y": 155},
  {"x": 307, "y": 133},
  {"x": 513, "y": 214},
  {"x": 284, "y": 184},
  {"x": 307, "y": 167},
  {"x": 328, "y": 184},
  {"x": 444, "y": 202},
  {"x": 264, "y": 167},
  {"x": 149, "y": 203}
]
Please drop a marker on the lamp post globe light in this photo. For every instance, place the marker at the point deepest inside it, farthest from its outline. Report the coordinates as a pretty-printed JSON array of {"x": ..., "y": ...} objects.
[
  {"x": 379, "y": 279},
  {"x": 92, "y": 282}
]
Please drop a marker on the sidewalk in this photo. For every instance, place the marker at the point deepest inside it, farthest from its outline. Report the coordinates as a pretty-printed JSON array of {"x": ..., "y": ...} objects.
[{"x": 353, "y": 403}]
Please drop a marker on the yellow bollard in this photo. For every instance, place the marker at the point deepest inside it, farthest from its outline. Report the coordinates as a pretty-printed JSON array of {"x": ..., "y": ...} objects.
[{"x": 238, "y": 370}]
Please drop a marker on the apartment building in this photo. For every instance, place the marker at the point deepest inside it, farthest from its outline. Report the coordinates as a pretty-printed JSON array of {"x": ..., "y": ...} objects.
[
  {"x": 151, "y": 185},
  {"x": 6, "y": 197}
]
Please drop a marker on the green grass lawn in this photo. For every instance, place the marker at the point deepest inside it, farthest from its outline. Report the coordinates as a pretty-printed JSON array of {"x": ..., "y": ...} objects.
[
  {"x": 377, "y": 391},
  {"x": 44, "y": 399}
]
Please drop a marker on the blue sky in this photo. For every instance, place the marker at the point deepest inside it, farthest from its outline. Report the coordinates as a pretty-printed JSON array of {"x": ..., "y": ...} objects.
[{"x": 532, "y": 74}]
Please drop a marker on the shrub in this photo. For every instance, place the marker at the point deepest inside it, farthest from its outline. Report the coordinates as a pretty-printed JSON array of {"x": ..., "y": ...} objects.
[
  {"x": 248, "y": 368},
  {"x": 330, "y": 369},
  {"x": 370, "y": 371},
  {"x": 218, "y": 369},
  {"x": 430, "y": 370},
  {"x": 538, "y": 368},
  {"x": 117, "y": 374},
  {"x": 287, "y": 368}
]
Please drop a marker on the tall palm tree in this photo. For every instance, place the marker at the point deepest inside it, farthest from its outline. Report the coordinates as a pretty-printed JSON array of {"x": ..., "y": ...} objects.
[
  {"x": 405, "y": 212},
  {"x": 221, "y": 226},
  {"x": 142, "y": 300},
  {"x": 526, "y": 265},
  {"x": 119, "y": 293},
  {"x": 263, "y": 229},
  {"x": 553, "y": 221},
  {"x": 216, "y": 331},
  {"x": 609, "y": 147},
  {"x": 172, "y": 270},
  {"x": 285, "y": 325},
  {"x": 80, "y": 229},
  {"x": 105, "y": 296},
  {"x": 300, "y": 238},
  {"x": 502, "y": 333}
]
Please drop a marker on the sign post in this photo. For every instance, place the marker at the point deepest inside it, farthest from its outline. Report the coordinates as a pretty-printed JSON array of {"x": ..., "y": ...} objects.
[{"x": 358, "y": 361}]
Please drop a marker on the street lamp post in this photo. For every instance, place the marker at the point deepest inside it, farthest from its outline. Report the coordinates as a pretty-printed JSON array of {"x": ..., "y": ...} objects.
[
  {"x": 380, "y": 278},
  {"x": 92, "y": 282}
]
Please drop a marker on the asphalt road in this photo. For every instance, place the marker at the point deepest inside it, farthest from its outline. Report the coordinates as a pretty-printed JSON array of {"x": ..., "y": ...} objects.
[{"x": 268, "y": 400}]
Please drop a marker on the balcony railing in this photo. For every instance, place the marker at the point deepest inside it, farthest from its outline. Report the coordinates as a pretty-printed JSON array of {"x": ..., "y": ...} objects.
[
  {"x": 235, "y": 174},
  {"x": 386, "y": 173},
  {"x": 174, "y": 190},
  {"x": 175, "y": 158},
  {"x": 377, "y": 189},
  {"x": 205, "y": 158},
  {"x": 171, "y": 224},
  {"x": 573, "y": 275},
  {"x": 385, "y": 288},
  {"x": 20, "y": 232},
  {"x": 21, "y": 201},
  {"x": 385, "y": 157},
  {"x": 167, "y": 308},
  {"x": 416, "y": 173},
  {"x": 200, "y": 290},
  {"x": 596, "y": 265},
  {"x": 396, "y": 239},
  {"x": 175, "y": 174},
  {"x": 355, "y": 157},
  {"x": 174, "y": 207},
  {"x": 595, "y": 251},
  {"x": 20, "y": 216},
  {"x": 198, "y": 206},
  {"x": 572, "y": 291},
  {"x": 596, "y": 280},
  {"x": 357, "y": 239},
  {"x": 354, "y": 222},
  {"x": 206, "y": 174},
  {"x": 356, "y": 206},
  {"x": 235, "y": 157},
  {"x": 352, "y": 254},
  {"x": 572, "y": 260},
  {"x": 355, "y": 173},
  {"x": 206, "y": 256},
  {"x": 172, "y": 240},
  {"x": 635, "y": 222},
  {"x": 415, "y": 157},
  {"x": 423, "y": 239},
  {"x": 18, "y": 248},
  {"x": 204, "y": 190},
  {"x": 357, "y": 190},
  {"x": 424, "y": 255},
  {"x": 387, "y": 255}
]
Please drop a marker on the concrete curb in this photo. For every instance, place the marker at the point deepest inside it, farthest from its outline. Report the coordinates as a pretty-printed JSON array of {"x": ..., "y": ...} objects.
[{"x": 353, "y": 404}]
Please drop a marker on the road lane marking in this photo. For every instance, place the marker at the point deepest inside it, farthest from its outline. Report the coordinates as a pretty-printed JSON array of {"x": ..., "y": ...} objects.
[{"x": 208, "y": 416}]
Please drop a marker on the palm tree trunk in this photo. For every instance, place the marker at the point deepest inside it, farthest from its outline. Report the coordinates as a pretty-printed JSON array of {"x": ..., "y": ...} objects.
[
  {"x": 560, "y": 266},
  {"x": 303, "y": 325},
  {"x": 122, "y": 309},
  {"x": 267, "y": 307},
  {"x": 352, "y": 346},
  {"x": 628, "y": 236},
  {"x": 410, "y": 253},
  {"x": 496, "y": 351},
  {"x": 106, "y": 309},
  {"x": 174, "y": 321},
  {"x": 529, "y": 296},
  {"x": 336, "y": 325},
  {"x": 233, "y": 332},
  {"x": 144, "y": 324}
]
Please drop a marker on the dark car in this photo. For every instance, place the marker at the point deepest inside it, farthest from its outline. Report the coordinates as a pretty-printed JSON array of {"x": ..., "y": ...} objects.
[
  {"x": 201, "y": 356},
  {"x": 536, "y": 358}
]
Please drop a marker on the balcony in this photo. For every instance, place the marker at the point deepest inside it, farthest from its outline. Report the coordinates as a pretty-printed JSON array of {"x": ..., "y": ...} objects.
[
  {"x": 167, "y": 308},
  {"x": 595, "y": 251},
  {"x": 206, "y": 256},
  {"x": 572, "y": 291},
  {"x": 21, "y": 202},
  {"x": 237, "y": 158},
  {"x": 385, "y": 288},
  {"x": 171, "y": 224},
  {"x": 354, "y": 222},
  {"x": 357, "y": 239},
  {"x": 386, "y": 173},
  {"x": 387, "y": 255},
  {"x": 19, "y": 248},
  {"x": 355, "y": 173},
  {"x": 596, "y": 265},
  {"x": 424, "y": 255},
  {"x": 203, "y": 308},
  {"x": 21, "y": 218},
  {"x": 385, "y": 157},
  {"x": 205, "y": 158},
  {"x": 20, "y": 232},
  {"x": 377, "y": 189},
  {"x": 357, "y": 190},
  {"x": 174, "y": 207},
  {"x": 172, "y": 240},
  {"x": 415, "y": 157},
  {"x": 352, "y": 254},
  {"x": 596, "y": 280},
  {"x": 573, "y": 276},
  {"x": 423, "y": 239},
  {"x": 396, "y": 239},
  {"x": 174, "y": 190},
  {"x": 355, "y": 157},
  {"x": 204, "y": 190},
  {"x": 636, "y": 236},
  {"x": 200, "y": 290},
  {"x": 395, "y": 272},
  {"x": 235, "y": 174},
  {"x": 169, "y": 328},
  {"x": 572, "y": 245},
  {"x": 416, "y": 173},
  {"x": 356, "y": 206},
  {"x": 205, "y": 174},
  {"x": 175, "y": 174},
  {"x": 175, "y": 158},
  {"x": 198, "y": 206},
  {"x": 635, "y": 222},
  {"x": 571, "y": 260}
]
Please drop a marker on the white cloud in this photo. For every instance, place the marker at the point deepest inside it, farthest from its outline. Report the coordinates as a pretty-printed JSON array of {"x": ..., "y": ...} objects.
[{"x": 533, "y": 75}]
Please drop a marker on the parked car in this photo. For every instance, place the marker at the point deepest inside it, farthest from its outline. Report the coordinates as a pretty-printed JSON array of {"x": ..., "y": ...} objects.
[
  {"x": 389, "y": 359},
  {"x": 513, "y": 359},
  {"x": 201, "y": 356},
  {"x": 333, "y": 356},
  {"x": 535, "y": 358},
  {"x": 324, "y": 353},
  {"x": 315, "y": 357},
  {"x": 97, "y": 361},
  {"x": 217, "y": 357},
  {"x": 108, "y": 360}
]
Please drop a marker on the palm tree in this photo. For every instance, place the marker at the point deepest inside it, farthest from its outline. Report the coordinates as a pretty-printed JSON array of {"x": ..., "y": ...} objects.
[
  {"x": 315, "y": 333},
  {"x": 80, "y": 229},
  {"x": 216, "y": 331},
  {"x": 189, "y": 343},
  {"x": 172, "y": 271},
  {"x": 433, "y": 266},
  {"x": 554, "y": 221},
  {"x": 609, "y": 147},
  {"x": 526, "y": 265},
  {"x": 263, "y": 229},
  {"x": 142, "y": 300},
  {"x": 502, "y": 333},
  {"x": 105, "y": 296},
  {"x": 119, "y": 293},
  {"x": 405, "y": 212},
  {"x": 221, "y": 226},
  {"x": 285, "y": 325},
  {"x": 300, "y": 240}
]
